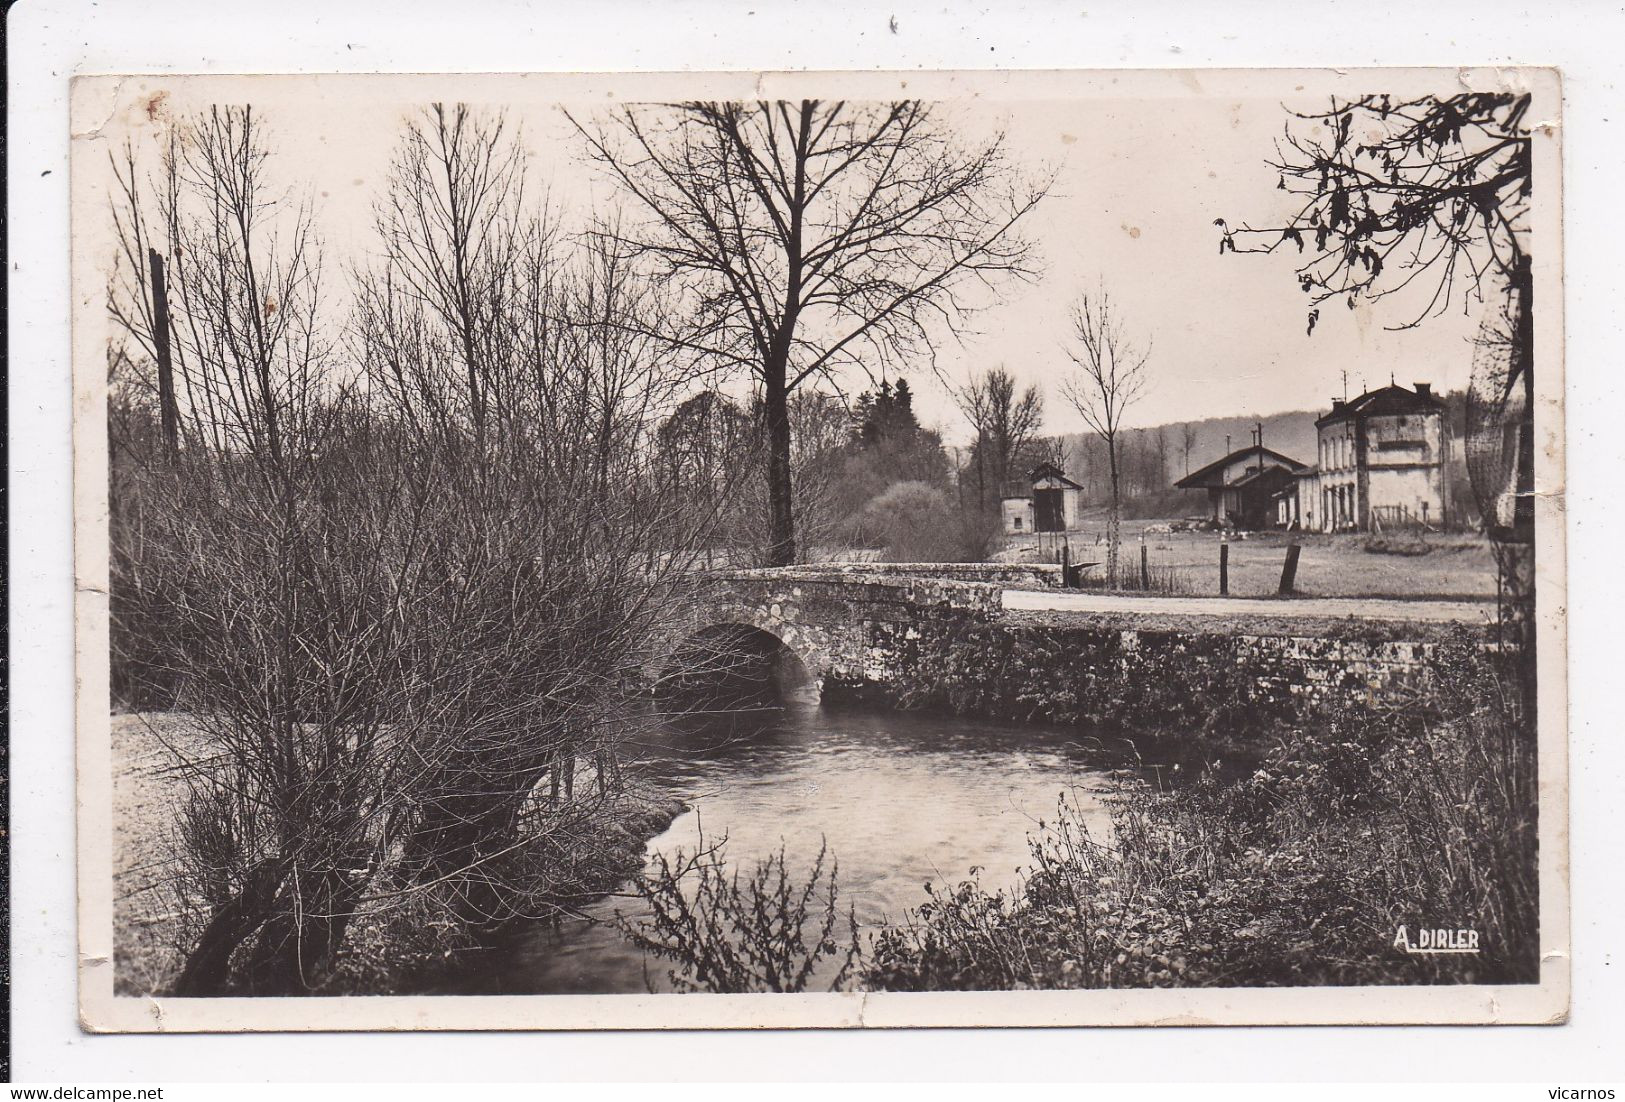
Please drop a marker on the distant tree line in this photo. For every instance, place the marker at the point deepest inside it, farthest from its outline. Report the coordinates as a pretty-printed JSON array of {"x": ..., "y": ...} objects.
[{"x": 867, "y": 478}]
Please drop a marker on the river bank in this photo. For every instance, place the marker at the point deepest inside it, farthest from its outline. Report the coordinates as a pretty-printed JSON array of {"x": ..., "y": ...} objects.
[
  {"x": 393, "y": 949},
  {"x": 1359, "y": 820},
  {"x": 1047, "y": 809}
]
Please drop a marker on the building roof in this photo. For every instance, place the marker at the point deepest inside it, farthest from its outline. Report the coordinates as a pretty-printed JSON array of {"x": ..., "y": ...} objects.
[
  {"x": 1050, "y": 470},
  {"x": 1264, "y": 477},
  {"x": 1211, "y": 477},
  {"x": 1390, "y": 399}
]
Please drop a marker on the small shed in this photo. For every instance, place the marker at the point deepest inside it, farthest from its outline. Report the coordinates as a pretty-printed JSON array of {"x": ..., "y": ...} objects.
[
  {"x": 1057, "y": 500},
  {"x": 1048, "y": 501},
  {"x": 1016, "y": 508}
]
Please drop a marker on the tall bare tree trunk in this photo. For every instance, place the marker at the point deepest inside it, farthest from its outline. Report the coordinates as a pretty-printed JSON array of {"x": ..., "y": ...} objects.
[
  {"x": 781, "y": 525},
  {"x": 1517, "y": 560},
  {"x": 1114, "y": 514},
  {"x": 160, "y": 343},
  {"x": 981, "y": 471}
]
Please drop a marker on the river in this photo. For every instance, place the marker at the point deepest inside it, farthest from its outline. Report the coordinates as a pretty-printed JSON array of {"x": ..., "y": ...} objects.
[{"x": 900, "y": 799}]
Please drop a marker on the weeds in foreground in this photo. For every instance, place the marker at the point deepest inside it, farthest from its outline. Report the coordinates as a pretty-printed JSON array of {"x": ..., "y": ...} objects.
[{"x": 768, "y": 930}]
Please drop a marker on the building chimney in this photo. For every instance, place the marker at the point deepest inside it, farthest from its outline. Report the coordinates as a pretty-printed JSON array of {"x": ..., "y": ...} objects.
[{"x": 1423, "y": 390}]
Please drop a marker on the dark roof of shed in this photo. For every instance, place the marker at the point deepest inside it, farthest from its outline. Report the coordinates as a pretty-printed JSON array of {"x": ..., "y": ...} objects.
[
  {"x": 1050, "y": 470},
  {"x": 1212, "y": 475}
]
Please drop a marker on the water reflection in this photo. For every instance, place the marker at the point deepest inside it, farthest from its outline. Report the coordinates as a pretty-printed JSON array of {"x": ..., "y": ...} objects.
[{"x": 900, "y": 799}]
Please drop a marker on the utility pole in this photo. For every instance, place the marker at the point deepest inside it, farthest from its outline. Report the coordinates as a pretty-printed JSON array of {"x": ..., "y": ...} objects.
[{"x": 167, "y": 412}]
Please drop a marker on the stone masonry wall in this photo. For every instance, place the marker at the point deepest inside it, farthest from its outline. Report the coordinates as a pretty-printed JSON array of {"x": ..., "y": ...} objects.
[
  {"x": 999, "y": 573},
  {"x": 1110, "y": 676},
  {"x": 945, "y": 643}
]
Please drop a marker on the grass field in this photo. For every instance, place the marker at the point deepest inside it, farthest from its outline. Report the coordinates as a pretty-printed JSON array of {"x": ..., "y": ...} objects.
[{"x": 1456, "y": 565}]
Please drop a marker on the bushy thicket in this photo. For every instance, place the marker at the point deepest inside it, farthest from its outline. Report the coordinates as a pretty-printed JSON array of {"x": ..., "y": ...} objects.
[
  {"x": 399, "y": 585},
  {"x": 1361, "y": 821},
  {"x": 916, "y": 522}
]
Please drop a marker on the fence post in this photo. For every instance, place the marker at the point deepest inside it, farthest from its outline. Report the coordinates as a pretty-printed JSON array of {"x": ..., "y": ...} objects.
[
  {"x": 1066, "y": 565},
  {"x": 1289, "y": 572},
  {"x": 1224, "y": 567},
  {"x": 1145, "y": 568}
]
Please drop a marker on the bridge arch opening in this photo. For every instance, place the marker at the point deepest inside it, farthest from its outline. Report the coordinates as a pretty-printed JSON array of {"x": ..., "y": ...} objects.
[{"x": 734, "y": 665}]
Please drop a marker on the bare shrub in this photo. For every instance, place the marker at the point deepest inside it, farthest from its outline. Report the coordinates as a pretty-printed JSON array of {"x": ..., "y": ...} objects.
[
  {"x": 768, "y": 930},
  {"x": 915, "y": 522},
  {"x": 401, "y": 591}
]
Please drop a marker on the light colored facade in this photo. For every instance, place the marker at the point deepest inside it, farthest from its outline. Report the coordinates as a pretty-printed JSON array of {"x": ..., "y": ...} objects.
[
  {"x": 1018, "y": 514},
  {"x": 1049, "y": 502},
  {"x": 1381, "y": 464}
]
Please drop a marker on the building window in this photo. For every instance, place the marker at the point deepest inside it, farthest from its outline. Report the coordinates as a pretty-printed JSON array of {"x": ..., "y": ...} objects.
[{"x": 1017, "y": 521}]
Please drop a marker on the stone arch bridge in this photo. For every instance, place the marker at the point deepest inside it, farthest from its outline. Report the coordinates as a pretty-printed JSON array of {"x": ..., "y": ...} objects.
[
  {"x": 852, "y": 625},
  {"x": 848, "y": 623}
]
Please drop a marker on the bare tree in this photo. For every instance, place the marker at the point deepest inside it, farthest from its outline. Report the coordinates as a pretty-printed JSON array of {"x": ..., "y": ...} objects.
[
  {"x": 1006, "y": 423},
  {"x": 1052, "y": 450},
  {"x": 559, "y": 546},
  {"x": 231, "y": 574},
  {"x": 809, "y": 236},
  {"x": 1187, "y": 440},
  {"x": 399, "y": 594},
  {"x": 1109, "y": 374}
]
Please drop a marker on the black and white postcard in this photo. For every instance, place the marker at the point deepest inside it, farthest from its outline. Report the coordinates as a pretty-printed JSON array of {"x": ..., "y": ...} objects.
[{"x": 763, "y": 550}]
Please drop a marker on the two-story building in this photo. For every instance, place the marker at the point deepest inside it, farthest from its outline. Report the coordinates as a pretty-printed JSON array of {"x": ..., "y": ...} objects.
[{"x": 1381, "y": 463}]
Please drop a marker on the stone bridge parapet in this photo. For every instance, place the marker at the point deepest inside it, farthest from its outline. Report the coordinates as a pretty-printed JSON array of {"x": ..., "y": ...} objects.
[
  {"x": 839, "y": 622},
  {"x": 1046, "y": 575}
]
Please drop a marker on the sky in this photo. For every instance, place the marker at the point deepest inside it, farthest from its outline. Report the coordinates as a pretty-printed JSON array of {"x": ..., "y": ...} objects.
[{"x": 1141, "y": 171}]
